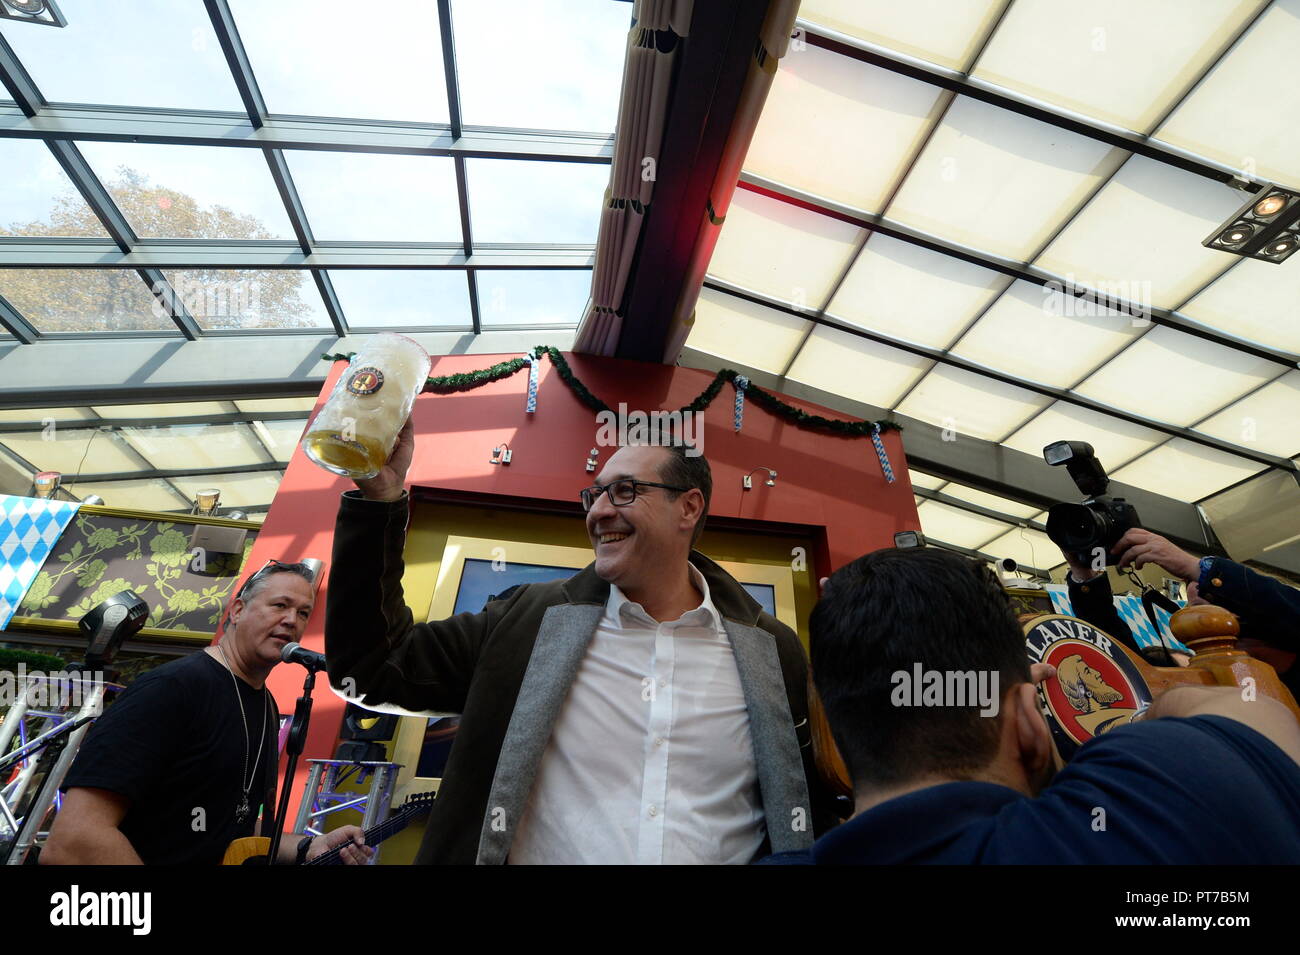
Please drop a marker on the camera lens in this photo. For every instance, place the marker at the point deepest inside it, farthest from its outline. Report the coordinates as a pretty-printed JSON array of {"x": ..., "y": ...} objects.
[{"x": 1077, "y": 528}]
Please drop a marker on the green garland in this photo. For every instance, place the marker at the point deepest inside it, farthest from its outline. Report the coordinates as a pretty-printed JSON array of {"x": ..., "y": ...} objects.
[{"x": 465, "y": 381}]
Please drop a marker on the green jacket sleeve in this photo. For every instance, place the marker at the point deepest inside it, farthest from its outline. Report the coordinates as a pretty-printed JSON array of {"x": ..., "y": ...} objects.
[{"x": 373, "y": 648}]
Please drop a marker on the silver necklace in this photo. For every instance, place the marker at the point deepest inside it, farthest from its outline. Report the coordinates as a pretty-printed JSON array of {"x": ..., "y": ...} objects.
[{"x": 244, "y": 810}]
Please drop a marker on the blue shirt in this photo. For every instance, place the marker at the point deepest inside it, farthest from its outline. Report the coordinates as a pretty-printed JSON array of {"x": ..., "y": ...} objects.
[{"x": 1201, "y": 790}]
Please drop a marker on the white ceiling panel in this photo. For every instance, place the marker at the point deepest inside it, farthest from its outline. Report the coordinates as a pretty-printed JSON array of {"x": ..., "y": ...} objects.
[
  {"x": 911, "y": 293},
  {"x": 1243, "y": 114},
  {"x": 941, "y": 31},
  {"x": 856, "y": 368},
  {"x": 997, "y": 181},
  {"x": 1268, "y": 420},
  {"x": 929, "y": 481},
  {"x": 237, "y": 490},
  {"x": 782, "y": 250},
  {"x": 1027, "y": 547},
  {"x": 1115, "y": 441},
  {"x": 144, "y": 495},
  {"x": 745, "y": 333},
  {"x": 1257, "y": 301},
  {"x": 964, "y": 403},
  {"x": 178, "y": 447},
  {"x": 1114, "y": 60},
  {"x": 991, "y": 501},
  {"x": 1139, "y": 239},
  {"x": 839, "y": 128},
  {"x": 1186, "y": 471},
  {"x": 952, "y": 525},
  {"x": 1046, "y": 336},
  {"x": 1177, "y": 378}
]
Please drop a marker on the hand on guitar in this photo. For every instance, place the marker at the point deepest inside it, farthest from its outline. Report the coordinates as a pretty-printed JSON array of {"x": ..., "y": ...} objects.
[{"x": 354, "y": 850}]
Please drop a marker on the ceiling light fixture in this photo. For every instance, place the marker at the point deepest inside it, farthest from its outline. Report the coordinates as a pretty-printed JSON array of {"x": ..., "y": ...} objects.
[
  {"x": 33, "y": 11},
  {"x": 1259, "y": 228}
]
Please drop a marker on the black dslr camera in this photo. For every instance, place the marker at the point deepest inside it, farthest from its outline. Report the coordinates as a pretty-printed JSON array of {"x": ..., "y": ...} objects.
[{"x": 1100, "y": 521}]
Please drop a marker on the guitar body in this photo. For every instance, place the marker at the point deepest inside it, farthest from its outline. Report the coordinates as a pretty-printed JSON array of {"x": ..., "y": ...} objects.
[{"x": 249, "y": 851}]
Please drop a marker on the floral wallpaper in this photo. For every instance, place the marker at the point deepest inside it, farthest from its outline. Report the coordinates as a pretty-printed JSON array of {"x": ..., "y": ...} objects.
[{"x": 102, "y": 554}]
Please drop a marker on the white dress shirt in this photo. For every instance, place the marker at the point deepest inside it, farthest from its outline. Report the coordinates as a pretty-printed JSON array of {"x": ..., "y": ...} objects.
[{"x": 650, "y": 760}]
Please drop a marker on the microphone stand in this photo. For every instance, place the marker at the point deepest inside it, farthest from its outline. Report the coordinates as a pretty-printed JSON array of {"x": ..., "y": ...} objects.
[{"x": 293, "y": 747}]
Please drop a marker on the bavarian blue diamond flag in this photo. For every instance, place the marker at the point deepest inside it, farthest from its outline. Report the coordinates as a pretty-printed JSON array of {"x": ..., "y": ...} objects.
[
  {"x": 28, "y": 529},
  {"x": 1129, "y": 607}
]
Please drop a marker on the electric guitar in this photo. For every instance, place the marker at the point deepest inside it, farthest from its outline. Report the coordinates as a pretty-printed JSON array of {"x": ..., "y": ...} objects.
[{"x": 253, "y": 849}]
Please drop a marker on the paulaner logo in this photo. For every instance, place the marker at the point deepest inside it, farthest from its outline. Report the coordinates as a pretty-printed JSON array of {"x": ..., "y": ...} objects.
[
  {"x": 661, "y": 428},
  {"x": 103, "y": 908},
  {"x": 923, "y": 687}
]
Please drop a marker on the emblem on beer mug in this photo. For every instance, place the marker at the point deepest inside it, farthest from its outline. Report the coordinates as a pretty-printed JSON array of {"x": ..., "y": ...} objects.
[
  {"x": 1096, "y": 688},
  {"x": 365, "y": 381}
]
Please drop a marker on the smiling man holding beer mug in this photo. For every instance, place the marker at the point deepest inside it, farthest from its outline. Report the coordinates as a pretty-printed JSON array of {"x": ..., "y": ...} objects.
[{"x": 645, "y": 710}]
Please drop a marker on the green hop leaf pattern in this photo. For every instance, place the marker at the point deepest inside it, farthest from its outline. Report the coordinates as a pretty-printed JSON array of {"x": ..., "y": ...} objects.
[
  {"x": 38, "y": 595},
  {"x": 183, "y": 601},
  {"x": 169, "y": 548},
  {"x": 92, "y": 573}
]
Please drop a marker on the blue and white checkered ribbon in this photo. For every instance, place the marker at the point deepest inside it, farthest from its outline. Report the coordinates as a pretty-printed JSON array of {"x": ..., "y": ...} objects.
[
  {"x": 531, "y": 405},
  {"x": 885, "y": 466},
  {"x": 29, "y": 528},
  {"x": 1129, "y": 607},
  {"x": 738, "y": 416}
]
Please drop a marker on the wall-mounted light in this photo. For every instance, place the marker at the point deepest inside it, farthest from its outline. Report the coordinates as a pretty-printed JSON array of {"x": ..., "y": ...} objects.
[
  {"x": 94, "y": 500},
  {"x": 45, "y": 484},
  {"x": 501, "y": 455},
  {"x": 33, "y": 11},
  {"x": 747, "y": 482},
  {"x": 1267, "y": 227},
  {"x": 236, "y": 516},
  {"x": 593, "y": 459},
  {"x": 909, "y": 539},
  {"x": 206, "y": 502}
]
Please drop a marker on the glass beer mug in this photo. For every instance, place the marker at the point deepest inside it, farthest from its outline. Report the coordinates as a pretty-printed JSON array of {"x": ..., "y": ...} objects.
[{"x": 356, "y": 430}]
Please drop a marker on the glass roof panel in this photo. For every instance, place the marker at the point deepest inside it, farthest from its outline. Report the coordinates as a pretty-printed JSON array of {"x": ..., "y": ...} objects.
[
  {"x": 745, "y": 333},
  {"x": 184, "y": 446},
  {"x": 580, "y": 43},
  {"x": 173, "y": 409},
  {"x": 1116, "y": 441},
  {"x": 1027, "y": 547},
  {"x": 45, "y": 415},
  {"x": 36, "y": 196},
  {"x": 510, "y": 298},
  {"x": 994, "y": 180},
  {"x": 929, "y": 481},
  {"x": 528, "y": 201},
  {"x": 145, "y": 495},
  {"x": 1070, "y": 338},
  {"x": 84, "y": 300},
  {"x": 403, "y": 298},
  {"x": 962, "y": 402},
  {"x": 1140, "y": 238},
  {"x": 839, "y": 128},
  {"x": 253, "y": 489},
  {"x": 993, "y": 502},
  {"x": 1241, "y": 114},
  {"x": 856, "y": 368},
  {"x": 952, "y": 525},
  {"x": 71, "y": 451},
  {"x": 280, "y": 437},
  {"x": 1268, "y": 420},
  {"x": 1170, "y": 376},
  {"x": 376, "y": 197},
  {"x": 941, "y": 31},
  {"x": 250, "y": 298},
  {"x": 254, "y": 405},
  {"x": 1255, "y": 301},
  {"x": 190, "y": 192},
  {"x": 911, "y": 293},
  {"x": 781, "y": 250},
  {"x": 1115, "y": 60},
  {"x": 1186, "y": 471},
  {"x": 393, "y": 56},
  {"x": 155, "y": 53}
]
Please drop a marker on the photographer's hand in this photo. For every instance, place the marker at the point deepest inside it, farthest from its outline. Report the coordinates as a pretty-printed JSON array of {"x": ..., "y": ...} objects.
[
  {"x": 1140, "y": 547},
  {"x": 389, "y": 483}
]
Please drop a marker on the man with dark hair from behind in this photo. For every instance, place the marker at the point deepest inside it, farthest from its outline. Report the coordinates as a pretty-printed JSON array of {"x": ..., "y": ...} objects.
[{"x": 1205, "y": 778}]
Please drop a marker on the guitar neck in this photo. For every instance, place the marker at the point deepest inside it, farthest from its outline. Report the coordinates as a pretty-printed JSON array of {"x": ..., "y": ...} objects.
[{"x": 374, "y": 835}]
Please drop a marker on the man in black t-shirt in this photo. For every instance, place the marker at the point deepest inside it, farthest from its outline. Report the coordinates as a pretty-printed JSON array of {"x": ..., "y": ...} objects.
[
  {"x": 1206, "y": 778},
  {"x": 180, "y": 764}
]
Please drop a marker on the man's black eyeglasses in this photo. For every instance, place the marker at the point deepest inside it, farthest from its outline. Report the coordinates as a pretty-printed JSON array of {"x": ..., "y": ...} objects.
[{"x": 621, "y": 493}]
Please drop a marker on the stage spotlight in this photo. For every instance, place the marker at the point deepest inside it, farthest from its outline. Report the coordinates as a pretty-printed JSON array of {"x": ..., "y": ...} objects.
[
  {"x": 206, "y": 502},
  {"x": 33, "y": 11},
  {"x": 1259, "y": 228},
  {"x": 45, "y": 484}
]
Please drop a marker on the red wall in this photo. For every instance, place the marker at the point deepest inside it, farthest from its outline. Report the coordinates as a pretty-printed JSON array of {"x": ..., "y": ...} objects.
[{"x": 832, "y": 485}]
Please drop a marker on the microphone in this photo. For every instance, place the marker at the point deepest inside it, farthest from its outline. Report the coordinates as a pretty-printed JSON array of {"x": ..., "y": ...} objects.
[{"x": 297, "y": 653}]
